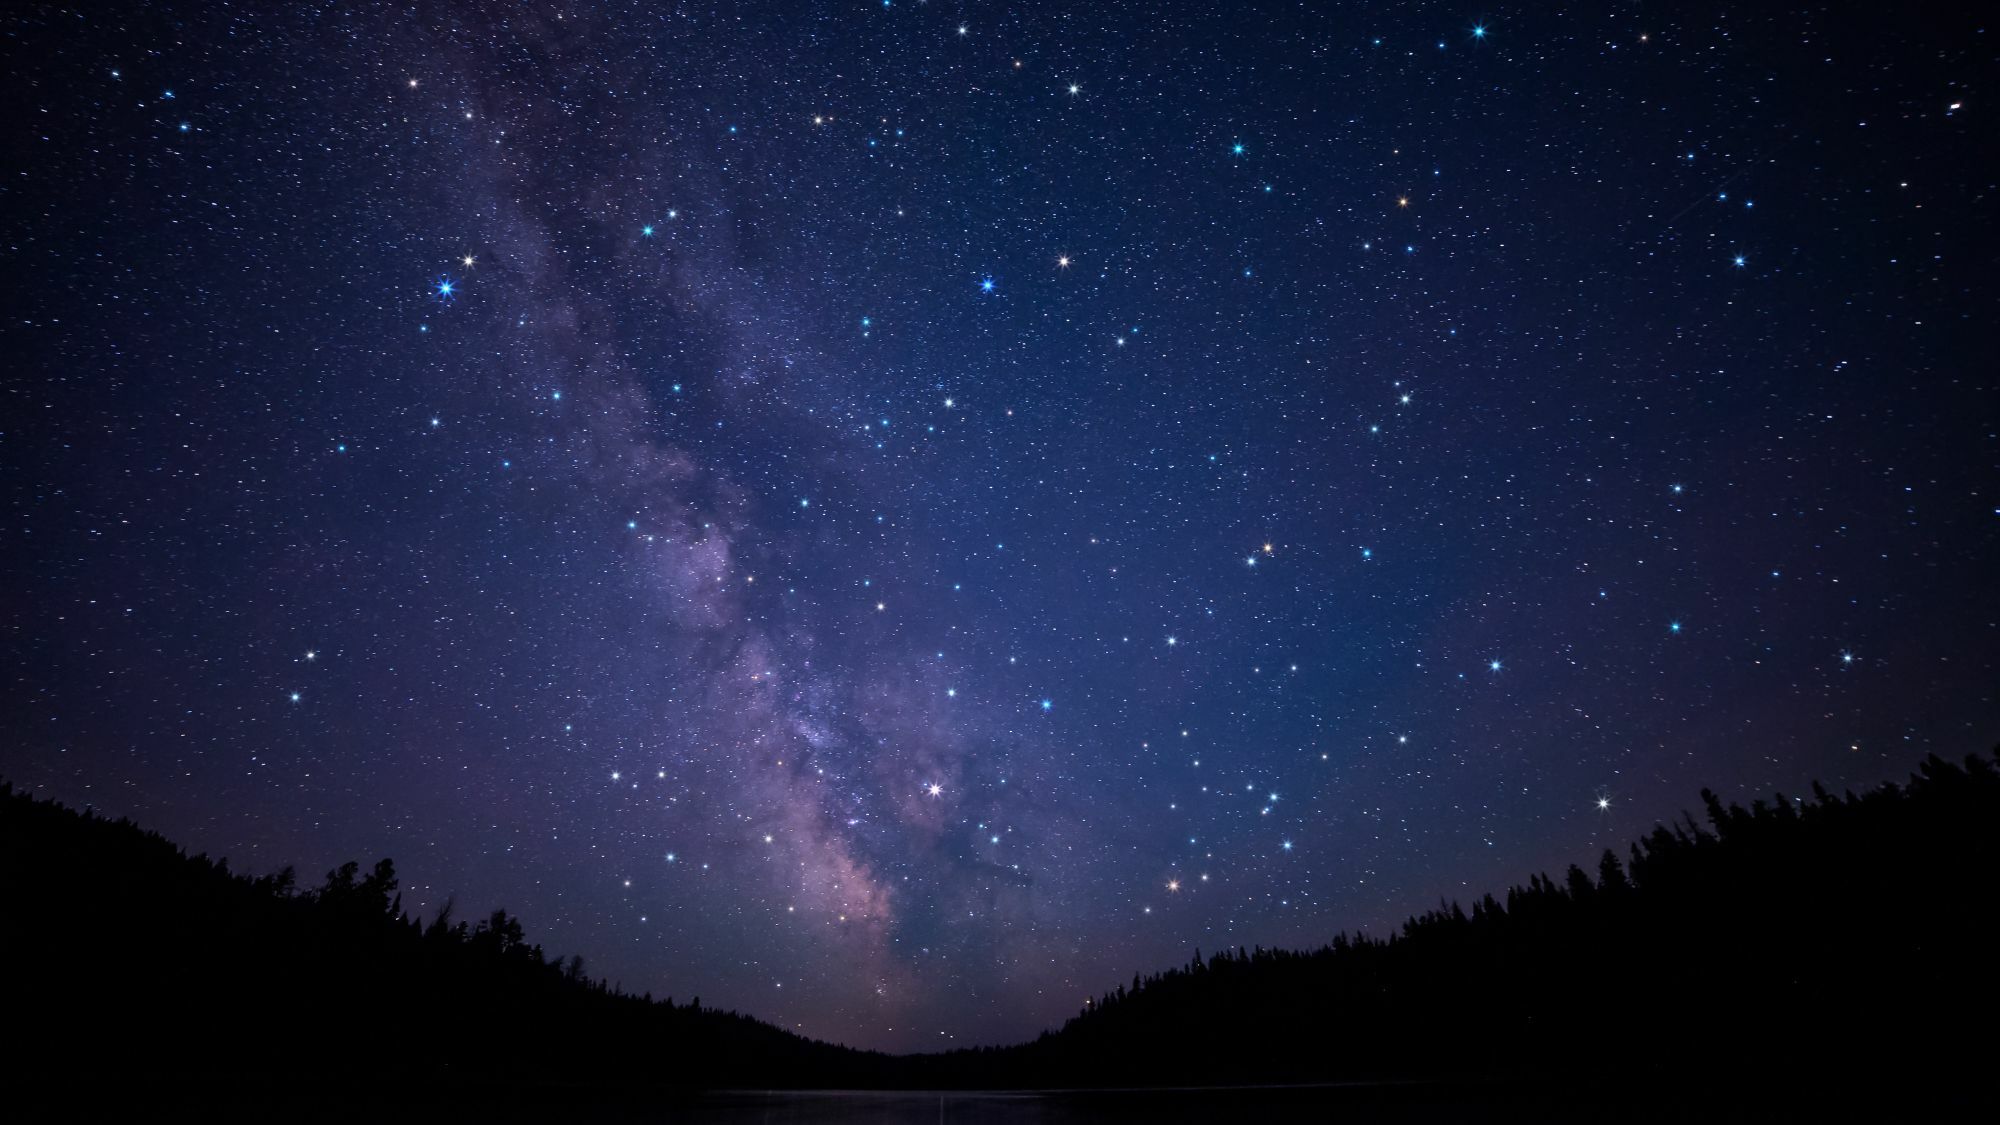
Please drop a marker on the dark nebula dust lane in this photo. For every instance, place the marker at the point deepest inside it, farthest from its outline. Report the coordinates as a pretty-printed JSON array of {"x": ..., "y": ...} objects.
[{"x": 896, "y": 517}]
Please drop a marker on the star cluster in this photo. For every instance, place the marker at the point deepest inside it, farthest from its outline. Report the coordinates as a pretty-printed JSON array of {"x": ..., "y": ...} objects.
[{"x": 894, "y": 518}]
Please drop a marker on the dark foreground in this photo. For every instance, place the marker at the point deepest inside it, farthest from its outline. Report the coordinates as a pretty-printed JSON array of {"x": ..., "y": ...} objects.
[
  {"x": 1824, "y": 1097},
  {"x": 1831, "y": 955},
  {"x": 1359, "y": 1104}
]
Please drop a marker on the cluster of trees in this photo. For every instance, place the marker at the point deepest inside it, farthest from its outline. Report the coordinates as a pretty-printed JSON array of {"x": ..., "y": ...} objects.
[
  {"x": 1800, "y": 939},
  {"x": 1795, "y": 939},
  {"x": 136, "y": 963}
]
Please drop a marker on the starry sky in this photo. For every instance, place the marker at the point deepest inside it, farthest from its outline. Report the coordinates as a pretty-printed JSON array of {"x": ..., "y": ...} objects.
[{"x": 896, "y": 517}]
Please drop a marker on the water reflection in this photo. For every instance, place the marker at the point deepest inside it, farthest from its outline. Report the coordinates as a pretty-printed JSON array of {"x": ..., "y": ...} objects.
[{"x": 1275, "y": 1106}]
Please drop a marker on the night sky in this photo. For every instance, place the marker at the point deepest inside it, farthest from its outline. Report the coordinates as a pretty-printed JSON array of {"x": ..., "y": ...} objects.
[{"x": 894, "y": 518}]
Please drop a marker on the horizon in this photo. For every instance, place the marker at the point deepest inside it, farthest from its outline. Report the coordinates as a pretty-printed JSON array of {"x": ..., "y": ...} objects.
[
  {"x": 895, "y": 518},
  {"x": 1390, "y": 933}
]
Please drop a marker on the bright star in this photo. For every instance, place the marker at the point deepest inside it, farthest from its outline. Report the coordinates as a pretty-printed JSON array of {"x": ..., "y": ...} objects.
[
  {"x": 1494, "y": 666},
  {"x": 934, "y": 789},
  {"x": 1173, "y": 884},
  {"x": 1048, "y": 704},
  {"x": 1236, "y": 149},
  {"x": 1479, "y": 31},
  {"x": 1674, "y": 627},
  {"x": 1738, "y": 259},
  {"x": 1075, "y": 89},
  {"x": 986, "y": 285},
  {"x": 445, "y": 288},
  {"x": 646, "y": 231},
  {"x": 1288, "y": 845},
  {"x": 1063, "y": 262},
  {"x": 1603, "y": 803},
  {"x": 295, "y": 697},
  {"x": 467, "y": 260}
]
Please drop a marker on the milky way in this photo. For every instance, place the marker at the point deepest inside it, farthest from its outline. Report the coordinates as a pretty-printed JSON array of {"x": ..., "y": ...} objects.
[{"x": 896, "y": 517}]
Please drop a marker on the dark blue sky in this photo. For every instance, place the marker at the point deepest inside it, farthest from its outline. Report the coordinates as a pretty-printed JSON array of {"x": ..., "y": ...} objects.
[{"x": 896, "y": 518}]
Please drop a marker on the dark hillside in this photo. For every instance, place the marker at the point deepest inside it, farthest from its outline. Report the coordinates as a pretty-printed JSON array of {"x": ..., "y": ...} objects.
[{"x": 1800, "y": 940}]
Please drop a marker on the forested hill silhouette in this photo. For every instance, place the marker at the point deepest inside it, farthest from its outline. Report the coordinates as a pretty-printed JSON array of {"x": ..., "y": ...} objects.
[
  {"x": 1819, "y": 940},
  {"x": 1816, "y": 944},
  {"x": 134, "y": 963}
]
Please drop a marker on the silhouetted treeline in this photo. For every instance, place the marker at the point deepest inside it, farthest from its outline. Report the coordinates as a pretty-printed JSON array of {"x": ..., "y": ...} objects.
[
  {"x": 132, "y": 962},
  {"x": 1832, "y": 939},
  {"x": 1829, "y": 939}
]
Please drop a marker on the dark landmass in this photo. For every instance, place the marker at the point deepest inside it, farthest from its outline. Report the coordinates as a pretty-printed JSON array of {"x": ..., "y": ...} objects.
[
  {"x": 1797, "y": 943},
  {"x": 1818, "y": 945}
]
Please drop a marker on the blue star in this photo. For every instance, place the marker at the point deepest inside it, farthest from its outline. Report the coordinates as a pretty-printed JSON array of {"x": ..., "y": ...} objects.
[
  {"x": 445, "y": 287},
  {"x": 1739, "y": 260},
  {"x": 1048, "y": 704},
  {"x": 1236, "y": 149},
  {"x": 1674, "y": 627},
  {"x": 646, "y": 231},
  {"x": 986, "y": 285},
  {"x": 1494, "y": 666},
  {"x": 1479, "y": 31}
]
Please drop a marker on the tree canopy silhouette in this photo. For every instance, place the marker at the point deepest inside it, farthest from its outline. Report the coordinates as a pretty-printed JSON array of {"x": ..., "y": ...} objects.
[{"x": 1797, "y": 938}]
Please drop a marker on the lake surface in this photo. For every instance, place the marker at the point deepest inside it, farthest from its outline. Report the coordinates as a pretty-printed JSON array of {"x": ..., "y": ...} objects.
[
  {"x": 1693, "y": 1098},
  {"x": 1358, "y": 1104},
  {"x": 1278, "y": 1106}
]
